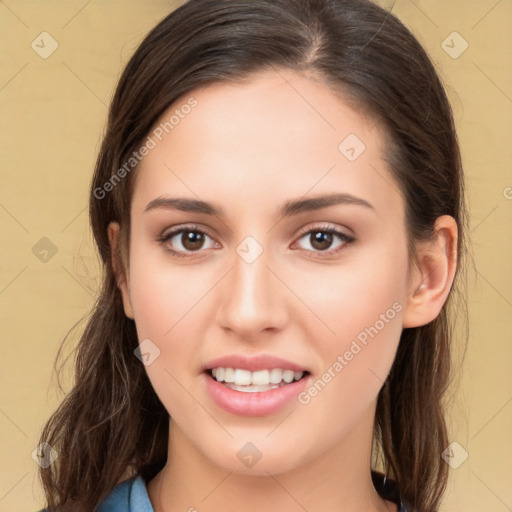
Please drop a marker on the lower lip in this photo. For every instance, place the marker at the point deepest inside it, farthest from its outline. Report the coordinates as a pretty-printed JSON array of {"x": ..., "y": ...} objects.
[{"x": 259, "y": 403}]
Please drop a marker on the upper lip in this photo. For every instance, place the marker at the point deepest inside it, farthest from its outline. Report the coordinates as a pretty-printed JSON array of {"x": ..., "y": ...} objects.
[{"x": 254, "y": 363}]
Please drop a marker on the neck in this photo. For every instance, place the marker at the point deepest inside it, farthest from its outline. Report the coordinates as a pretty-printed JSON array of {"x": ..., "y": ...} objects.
[{"x": 339, "y": 480}]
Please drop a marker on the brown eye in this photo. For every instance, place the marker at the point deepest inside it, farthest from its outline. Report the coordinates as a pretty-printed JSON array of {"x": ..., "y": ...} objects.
[
  {"x": 321, "y": 238},
  {"x": 185, "y": 240},
  {"x": 192, "y": 240}
]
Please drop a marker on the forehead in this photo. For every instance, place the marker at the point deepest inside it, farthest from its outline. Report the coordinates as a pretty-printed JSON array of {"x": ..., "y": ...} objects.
[{"x": 278, "y": 134}]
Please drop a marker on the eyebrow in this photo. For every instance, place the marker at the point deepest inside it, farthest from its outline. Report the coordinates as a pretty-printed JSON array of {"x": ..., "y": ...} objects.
[{"x": 292, "y": 207}]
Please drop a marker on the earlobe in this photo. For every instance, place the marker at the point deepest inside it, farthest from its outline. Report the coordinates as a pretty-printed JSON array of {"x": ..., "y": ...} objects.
[
  {"x": 118, "y": 267},
  {"x": 433, "y": 276}
]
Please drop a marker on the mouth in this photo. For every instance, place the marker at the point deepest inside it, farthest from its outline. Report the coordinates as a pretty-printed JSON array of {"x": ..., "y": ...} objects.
[
  {"x": 259, "y": 393},
  {"x": 255, "y": 382}
]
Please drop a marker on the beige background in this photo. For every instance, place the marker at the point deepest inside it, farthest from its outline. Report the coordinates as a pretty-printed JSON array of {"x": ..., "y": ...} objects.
[{"x": 53, "y": 114}]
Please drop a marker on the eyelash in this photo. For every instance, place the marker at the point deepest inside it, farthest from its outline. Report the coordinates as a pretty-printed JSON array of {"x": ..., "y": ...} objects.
[{"x": 346, "y": 239}]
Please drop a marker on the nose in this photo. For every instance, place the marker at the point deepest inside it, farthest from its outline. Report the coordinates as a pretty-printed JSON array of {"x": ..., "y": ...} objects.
[{"x": 252, "y": 298}]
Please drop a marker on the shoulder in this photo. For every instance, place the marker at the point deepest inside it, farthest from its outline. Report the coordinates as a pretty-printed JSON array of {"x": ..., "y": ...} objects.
[{"x": 128, "y": 496}]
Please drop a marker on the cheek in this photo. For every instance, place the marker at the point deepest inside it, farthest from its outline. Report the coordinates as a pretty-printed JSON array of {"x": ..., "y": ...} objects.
[
  {"x": 162, "y": 293},
  {"x": 352, "y": 296},
  {"x": 166, "y": 303},
  {"x": 362, "y": 304},
  {"x": 354, "y": 363}
]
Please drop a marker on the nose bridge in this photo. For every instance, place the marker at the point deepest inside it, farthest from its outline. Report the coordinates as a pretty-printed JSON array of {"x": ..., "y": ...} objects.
[{"x": 252, "y": 297}]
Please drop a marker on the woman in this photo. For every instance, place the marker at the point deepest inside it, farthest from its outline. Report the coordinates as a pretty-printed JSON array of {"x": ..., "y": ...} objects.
[{"x": 278, "y": 203}]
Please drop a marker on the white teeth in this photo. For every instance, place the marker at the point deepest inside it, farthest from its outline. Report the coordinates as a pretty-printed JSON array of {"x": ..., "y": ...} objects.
[
  {"x": 229, "y": 375},
  {"x": 288, "y": 375},
  {"x": 240, "y": 377},
  {"x": 276, "y": 376},
  {"x": 253, "y": 389},
  {"x": 260, "y": 378}
]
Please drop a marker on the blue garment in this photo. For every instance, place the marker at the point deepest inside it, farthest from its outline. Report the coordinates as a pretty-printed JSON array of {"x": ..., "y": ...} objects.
[
  {"x": 128, "y": 496},
  {"x": 132, "y": 496}
]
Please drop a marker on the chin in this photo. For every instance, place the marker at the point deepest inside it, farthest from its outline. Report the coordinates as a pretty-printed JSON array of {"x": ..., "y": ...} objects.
[{"x": 249, "y": 460}]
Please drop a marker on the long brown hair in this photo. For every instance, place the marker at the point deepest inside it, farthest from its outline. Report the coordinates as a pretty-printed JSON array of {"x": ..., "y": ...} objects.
[{"x": 112, "y": 425}]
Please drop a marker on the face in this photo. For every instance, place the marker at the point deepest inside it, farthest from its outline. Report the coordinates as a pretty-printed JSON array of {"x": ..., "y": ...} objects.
[{"x": 324, "y": 287}]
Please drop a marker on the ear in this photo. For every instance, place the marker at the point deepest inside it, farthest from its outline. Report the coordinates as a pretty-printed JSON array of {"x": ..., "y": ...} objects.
[
  {"x": 117, "y": 264},
  {"x": 432, "y": 277}
]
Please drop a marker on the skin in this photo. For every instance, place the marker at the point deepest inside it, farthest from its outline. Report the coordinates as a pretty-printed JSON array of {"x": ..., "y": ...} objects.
[{"x": 248, "y": 148}]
